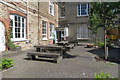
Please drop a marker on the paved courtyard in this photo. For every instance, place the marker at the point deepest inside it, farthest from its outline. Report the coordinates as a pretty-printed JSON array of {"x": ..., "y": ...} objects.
[{"x": 78, "y": 63}]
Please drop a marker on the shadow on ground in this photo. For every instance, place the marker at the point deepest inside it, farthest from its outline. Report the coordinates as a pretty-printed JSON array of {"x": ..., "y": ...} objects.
[
  {"x": 45, "y": 60},
  {"x": 114, "y": 54},
  {"x": 66, "y": 55}
]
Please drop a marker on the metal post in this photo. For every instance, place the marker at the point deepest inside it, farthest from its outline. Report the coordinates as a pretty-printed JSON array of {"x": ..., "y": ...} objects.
[{"x": 105, "y": 47}]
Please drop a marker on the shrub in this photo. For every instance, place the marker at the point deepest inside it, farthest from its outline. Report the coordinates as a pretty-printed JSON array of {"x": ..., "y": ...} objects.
[
  {"x": 9, "y": 41},
  {"x": 101, "y": 44},
  {"x": 103, "y": 76},
  {"x": 6, "y": 63}
]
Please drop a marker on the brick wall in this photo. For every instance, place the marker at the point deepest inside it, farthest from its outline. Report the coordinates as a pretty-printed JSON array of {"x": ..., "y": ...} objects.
[{"x": 33, "y": 25}]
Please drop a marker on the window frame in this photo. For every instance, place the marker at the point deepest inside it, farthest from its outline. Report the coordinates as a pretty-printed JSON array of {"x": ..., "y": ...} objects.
[
  {"x": 87, "y": 9},
  {"x": 12, "y": 17},
  {"x": 80, "y": 34},
  {"x": 44, "y": 38},
  {"x": 62, "y": 12},
  {"x": 53, "y": 27},
  {"x": 51, "y": 5}
]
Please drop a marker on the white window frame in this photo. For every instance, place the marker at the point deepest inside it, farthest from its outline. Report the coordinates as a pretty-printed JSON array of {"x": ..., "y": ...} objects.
[
  {"x": 87, "y": 9},
  {"x": 51, "y": 5},
  {"x": 80, "y": 32},
  {"x": 12, "y": 17},
  {"x": 51, "y": 32},
  {"x": 44, "y": 38},
  {"x": 65, "y": 33}
]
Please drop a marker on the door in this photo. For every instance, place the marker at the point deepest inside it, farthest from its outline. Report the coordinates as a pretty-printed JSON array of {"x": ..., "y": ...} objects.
[{"x": 2, "y": 37}]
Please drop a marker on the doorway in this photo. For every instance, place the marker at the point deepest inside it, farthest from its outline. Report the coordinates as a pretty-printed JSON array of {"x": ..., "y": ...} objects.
[{"x": 2, "y": 37}]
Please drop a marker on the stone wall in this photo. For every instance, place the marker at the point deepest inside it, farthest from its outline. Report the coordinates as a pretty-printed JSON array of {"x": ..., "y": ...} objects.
[
  {"x": 72, "y": 20},
  {"x": 34, "y": 19}
]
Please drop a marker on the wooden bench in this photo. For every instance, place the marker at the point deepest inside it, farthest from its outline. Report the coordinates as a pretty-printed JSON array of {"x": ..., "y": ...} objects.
[
  {"x": 47, "y": 51},
  {"x": 55, "y": 56},
  {"x": 63, "y": 43}
]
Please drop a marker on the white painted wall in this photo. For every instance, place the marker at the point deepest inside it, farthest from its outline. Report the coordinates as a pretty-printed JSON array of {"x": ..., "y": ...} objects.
[{"x": 2, "y": 37}]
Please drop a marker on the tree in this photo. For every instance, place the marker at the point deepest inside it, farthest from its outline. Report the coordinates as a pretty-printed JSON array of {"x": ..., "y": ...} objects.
[
  {"x": 103, "y": 14},
  {"x": 94, "y": 23}
]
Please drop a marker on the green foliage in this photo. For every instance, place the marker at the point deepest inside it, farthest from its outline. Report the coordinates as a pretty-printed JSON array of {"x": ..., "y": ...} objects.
[
  {"x": 10, "y": 43},
  {"x": 94, "y": 22},
  {"x": 6, "y": 63},
  {"x": 104, "y": 13},
  {"x": 101, "y": 44},
  {"x": 103, "y": 76},
  {"x": 0, "y": 64}
]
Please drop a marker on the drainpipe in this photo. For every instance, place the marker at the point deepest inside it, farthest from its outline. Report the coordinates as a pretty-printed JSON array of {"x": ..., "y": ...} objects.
[
  {"x": 38, "y": 25},
  {"x": 27, "y": 23}
]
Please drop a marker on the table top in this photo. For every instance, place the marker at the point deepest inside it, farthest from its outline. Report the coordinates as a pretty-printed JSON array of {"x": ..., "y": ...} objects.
[
  {"x": 47, "y": 46},
  {"x": 64, "y": 42}
]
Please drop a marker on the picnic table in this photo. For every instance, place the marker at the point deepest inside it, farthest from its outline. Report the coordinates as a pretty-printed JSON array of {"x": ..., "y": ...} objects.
[
  {"x": 47, "y": 51},
  {"x": 48, "y": 47},
  {"x": 63, "y": 43},
  {"x": 66, "y": 45}
]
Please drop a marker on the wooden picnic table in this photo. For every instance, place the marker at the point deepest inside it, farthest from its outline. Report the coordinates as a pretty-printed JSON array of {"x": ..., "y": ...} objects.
[
  {"x": 39, "y": 48},
  {"x": 63, "y": 43},
  {"x": 48, "y": 51}
]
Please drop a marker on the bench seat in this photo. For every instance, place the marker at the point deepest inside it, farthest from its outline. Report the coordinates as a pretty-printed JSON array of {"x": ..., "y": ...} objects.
[{"x": 56, "y": 56}]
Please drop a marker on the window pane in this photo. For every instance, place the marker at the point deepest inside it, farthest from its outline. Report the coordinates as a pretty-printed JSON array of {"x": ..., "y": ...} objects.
[
  {"x": 15, "y": 35},
  {"x": 78, "y": 9},
  {"x": 83, "y": 9},
  {"x": 23, "y": 35},
  {"x": 15, "y": 18},
  {"x": 19, "y": 30},
  {"x": 18, "y": 19},
  {"x": 51, "y": 30},
  {"x": 18, "y": 35},
  {"x": 22, "y": 19},
  {"x": 15, "y": 24},
  {"x": 22, "y": 24},
  {"x": 16, "y": 30},
  {"x": 18, "y": 24}
]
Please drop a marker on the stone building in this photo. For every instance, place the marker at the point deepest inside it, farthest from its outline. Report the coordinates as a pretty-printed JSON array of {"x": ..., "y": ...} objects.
[
  {"x": 73, "y": 21},
  {"x": 29, "y": 23}
]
